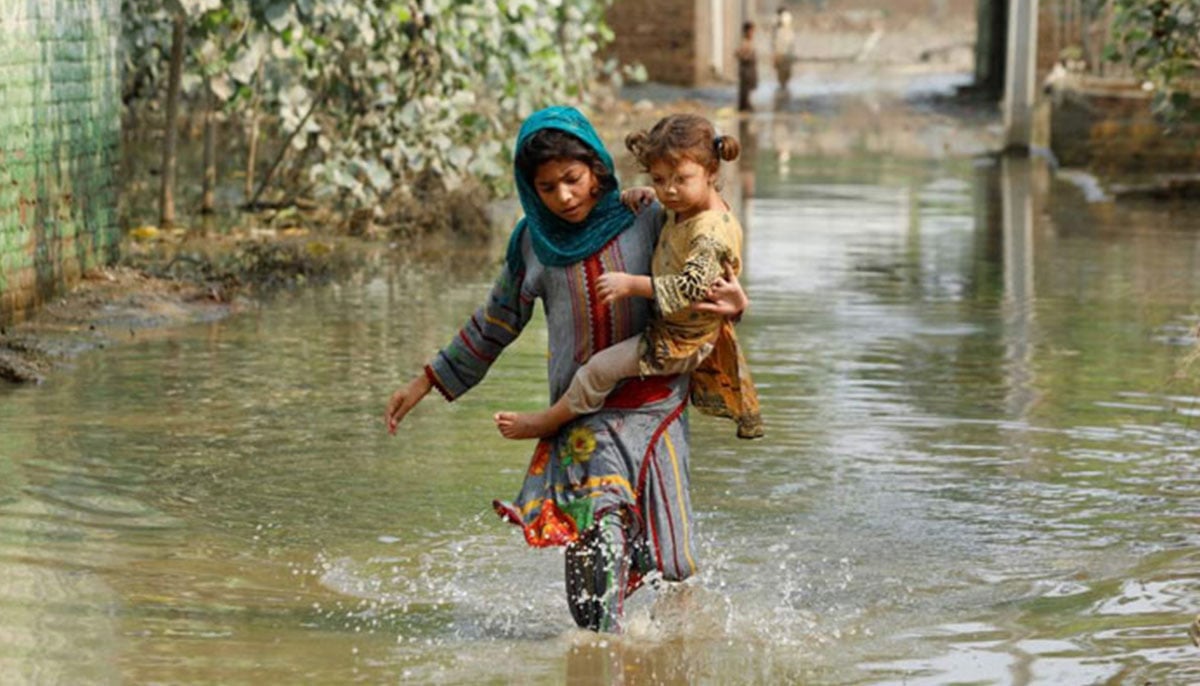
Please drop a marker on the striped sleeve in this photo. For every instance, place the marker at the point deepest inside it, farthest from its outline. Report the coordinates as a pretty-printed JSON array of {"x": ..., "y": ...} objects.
[{"x": 466, "y": 359}]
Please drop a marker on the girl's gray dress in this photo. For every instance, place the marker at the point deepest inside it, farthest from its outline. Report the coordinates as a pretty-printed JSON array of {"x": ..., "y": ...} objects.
[{"x": 612, "y": 486}]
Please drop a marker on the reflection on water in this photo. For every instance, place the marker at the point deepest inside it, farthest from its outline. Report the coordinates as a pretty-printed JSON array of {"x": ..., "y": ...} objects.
[{"x": 980, "y": 466}]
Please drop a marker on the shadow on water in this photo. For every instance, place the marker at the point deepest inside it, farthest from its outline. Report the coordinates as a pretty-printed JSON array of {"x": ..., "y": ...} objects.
[{"x": 978, "y": 468}]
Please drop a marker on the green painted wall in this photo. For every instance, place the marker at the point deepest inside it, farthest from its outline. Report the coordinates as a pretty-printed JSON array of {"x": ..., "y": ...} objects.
[{"x": 59, "y": 134}]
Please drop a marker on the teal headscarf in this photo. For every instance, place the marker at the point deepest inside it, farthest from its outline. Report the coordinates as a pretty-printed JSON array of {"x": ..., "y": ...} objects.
[{"x": 557, "y": 242}]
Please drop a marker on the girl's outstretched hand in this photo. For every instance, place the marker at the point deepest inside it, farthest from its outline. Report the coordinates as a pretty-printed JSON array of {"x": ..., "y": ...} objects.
[
  {"x": 726, "y": 297},
  {"x": 638, "y": 197},
  {"x": 404, "y": 400}
]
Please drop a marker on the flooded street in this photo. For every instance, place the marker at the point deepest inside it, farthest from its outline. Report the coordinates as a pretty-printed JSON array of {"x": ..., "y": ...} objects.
[{"x": 979, "y": 465}]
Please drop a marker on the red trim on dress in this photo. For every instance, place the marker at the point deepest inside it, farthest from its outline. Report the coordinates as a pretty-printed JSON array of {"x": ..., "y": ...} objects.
[
  {"x": 651, "y": 453},
  {"x": 635, "y": 393},
  {"x": 433, "y": 379},
  {"x": 599, "y": 314},
  {"x": 508, "y": 513},
  {"x": 634, "y": 580},
  {"x": 462, "y": 335}
]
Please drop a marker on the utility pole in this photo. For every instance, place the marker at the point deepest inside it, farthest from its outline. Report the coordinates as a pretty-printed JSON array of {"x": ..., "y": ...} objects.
[{"x": 1020, "y": 75}]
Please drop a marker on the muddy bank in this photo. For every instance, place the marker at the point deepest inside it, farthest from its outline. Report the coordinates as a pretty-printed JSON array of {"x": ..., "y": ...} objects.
[
  {"x": 108, "y": 305},
  {"x": 167, "y": 279}
]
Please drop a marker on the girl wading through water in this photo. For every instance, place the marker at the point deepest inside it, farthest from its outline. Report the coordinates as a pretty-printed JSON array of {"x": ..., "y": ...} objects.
[{"x": 610, "y": 486}]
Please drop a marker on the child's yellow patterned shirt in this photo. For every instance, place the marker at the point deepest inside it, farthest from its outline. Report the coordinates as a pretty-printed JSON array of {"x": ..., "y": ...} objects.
[{"x": 689, "y": 257}]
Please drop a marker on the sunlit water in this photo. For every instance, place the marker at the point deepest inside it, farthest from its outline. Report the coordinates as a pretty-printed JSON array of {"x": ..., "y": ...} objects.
[{"x": 980, "y": 467}]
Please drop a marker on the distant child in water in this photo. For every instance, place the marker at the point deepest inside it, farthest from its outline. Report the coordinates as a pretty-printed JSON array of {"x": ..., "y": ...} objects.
[{"x": 701, "y": 242}]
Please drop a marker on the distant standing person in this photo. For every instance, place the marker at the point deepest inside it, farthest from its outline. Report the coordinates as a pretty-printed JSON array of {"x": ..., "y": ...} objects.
[
  {"x": 747, "y": 59},
  {"x": 783, "y": 38}
]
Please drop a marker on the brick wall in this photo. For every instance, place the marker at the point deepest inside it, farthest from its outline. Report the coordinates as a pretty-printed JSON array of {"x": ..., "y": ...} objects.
[
  {"x": 661, "y": 34},
  {"x": 59, "y": 131},
  {"x": 675, "y": 39}
]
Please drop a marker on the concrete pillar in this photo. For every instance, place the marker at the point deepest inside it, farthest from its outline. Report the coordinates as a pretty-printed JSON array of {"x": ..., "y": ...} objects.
[
  {"x": 717, "y": 26},
  {"x": 1020, "y": 74}
]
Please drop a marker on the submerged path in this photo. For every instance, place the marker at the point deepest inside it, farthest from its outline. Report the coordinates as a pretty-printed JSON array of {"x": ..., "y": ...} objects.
[{"x": 979, "y": 465}]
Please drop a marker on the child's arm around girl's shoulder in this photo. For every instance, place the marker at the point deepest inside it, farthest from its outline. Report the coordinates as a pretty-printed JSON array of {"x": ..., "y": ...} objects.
[{"x": 638, "y": 198}]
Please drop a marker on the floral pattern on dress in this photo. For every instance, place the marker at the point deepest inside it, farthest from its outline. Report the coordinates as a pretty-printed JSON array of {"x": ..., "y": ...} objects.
[
  {"x": 541, "y": 455},
  {"x": 581, "y": 443},
  {"x": 551, "y": 528}
]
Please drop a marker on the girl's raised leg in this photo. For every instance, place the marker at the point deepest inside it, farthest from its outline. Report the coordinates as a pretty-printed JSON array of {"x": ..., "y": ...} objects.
[{"x": 588, "y": 390}]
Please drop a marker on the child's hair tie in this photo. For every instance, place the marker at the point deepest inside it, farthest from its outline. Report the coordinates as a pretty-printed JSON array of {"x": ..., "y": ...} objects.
[{"x": 718, "y": 142}]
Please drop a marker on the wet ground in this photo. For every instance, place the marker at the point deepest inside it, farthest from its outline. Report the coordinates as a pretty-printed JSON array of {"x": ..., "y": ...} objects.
[
  {"x": 109, "y": 305},
  {"x": 980, "y": 465}
]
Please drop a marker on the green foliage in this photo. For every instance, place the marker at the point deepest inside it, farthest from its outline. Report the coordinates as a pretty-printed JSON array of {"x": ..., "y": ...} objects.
[
  {"x": 1160, "y": 40},
  {"x": 379, "y": 90}
]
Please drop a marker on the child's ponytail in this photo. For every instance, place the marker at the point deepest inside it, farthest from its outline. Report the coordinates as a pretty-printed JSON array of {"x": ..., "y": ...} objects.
[
  {"x": 727, "y": 147},
  {"x": 636, "y": 143}
]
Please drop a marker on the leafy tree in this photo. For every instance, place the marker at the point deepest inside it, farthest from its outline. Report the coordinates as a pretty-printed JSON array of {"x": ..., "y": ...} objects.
[
  {"x": 1160, "y": 40},
  {"x": 370, "y": 94}
]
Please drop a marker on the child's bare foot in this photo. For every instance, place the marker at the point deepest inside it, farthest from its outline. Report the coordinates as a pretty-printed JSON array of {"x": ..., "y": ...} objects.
[{"x": 525, "y": 424}]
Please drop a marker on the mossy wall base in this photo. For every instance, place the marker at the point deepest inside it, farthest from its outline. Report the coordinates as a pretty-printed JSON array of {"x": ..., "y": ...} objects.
[{"x": 59, "y": 134}]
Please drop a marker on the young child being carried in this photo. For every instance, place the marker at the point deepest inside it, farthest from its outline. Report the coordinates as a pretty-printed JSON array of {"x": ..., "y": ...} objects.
[{"x": 699, "y": 243}]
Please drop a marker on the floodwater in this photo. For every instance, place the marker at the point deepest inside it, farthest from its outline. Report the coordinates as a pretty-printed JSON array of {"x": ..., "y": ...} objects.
[{"x": 981, "y": 466}]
